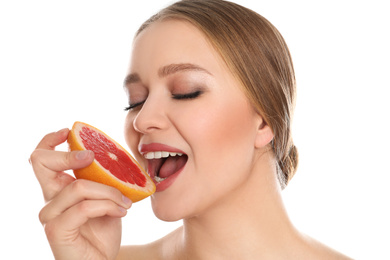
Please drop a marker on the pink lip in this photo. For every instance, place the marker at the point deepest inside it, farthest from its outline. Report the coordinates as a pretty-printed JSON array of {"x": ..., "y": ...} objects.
[
  {"x": 163, "y": 185},
  {"x": 155, "y": 147}
]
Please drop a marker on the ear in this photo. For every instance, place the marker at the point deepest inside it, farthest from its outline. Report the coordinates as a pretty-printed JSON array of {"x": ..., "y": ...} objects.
[{"x": 264, "y": 134}]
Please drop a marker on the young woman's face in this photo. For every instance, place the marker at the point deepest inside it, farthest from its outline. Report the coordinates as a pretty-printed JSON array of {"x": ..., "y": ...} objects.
[{"x": 185, "y": 101}]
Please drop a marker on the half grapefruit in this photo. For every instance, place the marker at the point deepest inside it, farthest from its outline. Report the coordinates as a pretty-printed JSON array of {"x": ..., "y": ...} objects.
[{"x": 112, "y": 165}]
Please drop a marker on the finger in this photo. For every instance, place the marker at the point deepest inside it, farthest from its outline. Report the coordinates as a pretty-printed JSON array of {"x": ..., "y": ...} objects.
[
  {"x": 49, "y": 167},
  {"x": 56, "y": 161},
  {"x": 68, "y": 223},
  {"x": 50, "y": 141},
  {"x": 77, "y": 192}
]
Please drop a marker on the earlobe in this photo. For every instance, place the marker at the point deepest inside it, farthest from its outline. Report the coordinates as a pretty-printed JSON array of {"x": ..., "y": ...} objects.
[{"x": 264, "y": 135}]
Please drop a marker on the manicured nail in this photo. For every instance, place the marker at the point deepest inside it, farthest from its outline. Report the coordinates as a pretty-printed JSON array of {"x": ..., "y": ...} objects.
[{"x": 82, "y": 155}]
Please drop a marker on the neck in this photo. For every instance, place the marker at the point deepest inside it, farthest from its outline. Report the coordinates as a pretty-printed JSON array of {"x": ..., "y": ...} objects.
[{"x": 251, "y": 221}]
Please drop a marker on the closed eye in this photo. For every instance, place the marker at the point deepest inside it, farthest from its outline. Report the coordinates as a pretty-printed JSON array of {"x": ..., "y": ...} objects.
[
  {"x": 192, "y": 95},
  {"x": 187, "y": 95},
  {"x": 133, "y": 106}
]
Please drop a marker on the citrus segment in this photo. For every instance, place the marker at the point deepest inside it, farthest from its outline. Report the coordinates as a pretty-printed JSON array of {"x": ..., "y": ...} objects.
[
  {"x": 112, "y": 165},
  {"x": 112, "y": 158}
]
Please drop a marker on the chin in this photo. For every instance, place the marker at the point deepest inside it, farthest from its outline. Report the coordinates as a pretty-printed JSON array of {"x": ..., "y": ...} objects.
[
  {"x": 168, "y": 215},
  {"x": 169, "y": 211}
]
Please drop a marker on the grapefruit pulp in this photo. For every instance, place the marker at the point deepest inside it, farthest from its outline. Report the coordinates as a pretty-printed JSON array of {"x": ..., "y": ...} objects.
[{"x": 112, "y": 165}]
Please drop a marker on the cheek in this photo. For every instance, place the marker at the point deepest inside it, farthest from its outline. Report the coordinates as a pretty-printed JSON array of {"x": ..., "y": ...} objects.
[
  {"x": 222, "y": 126},
  {"x": 225, "y": 150},
  {"x": 221, "y": 133}
]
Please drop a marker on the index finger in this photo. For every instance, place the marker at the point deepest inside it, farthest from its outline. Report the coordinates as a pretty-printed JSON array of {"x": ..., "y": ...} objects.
[{"x": 50, "y": 141}]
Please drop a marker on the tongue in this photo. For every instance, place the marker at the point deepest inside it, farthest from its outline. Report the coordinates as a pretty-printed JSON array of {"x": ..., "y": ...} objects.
[{"x": 172, "y": 165}]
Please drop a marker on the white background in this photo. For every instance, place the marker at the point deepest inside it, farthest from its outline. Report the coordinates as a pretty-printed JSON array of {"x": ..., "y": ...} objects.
[{"x": 62, "y": 61}]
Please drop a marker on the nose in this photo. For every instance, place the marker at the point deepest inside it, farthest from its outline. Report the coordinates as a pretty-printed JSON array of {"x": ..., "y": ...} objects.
[{"x": 151, "y": 117}]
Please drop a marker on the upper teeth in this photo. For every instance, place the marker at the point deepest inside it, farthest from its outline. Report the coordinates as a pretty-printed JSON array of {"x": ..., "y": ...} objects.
[{"x": 160, "y": 154}]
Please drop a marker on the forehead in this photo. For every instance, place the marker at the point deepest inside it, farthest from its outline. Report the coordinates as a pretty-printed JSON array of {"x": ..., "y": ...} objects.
[
  {"x": 168, "y": 30},
  {"x": 172, "y": 41}
]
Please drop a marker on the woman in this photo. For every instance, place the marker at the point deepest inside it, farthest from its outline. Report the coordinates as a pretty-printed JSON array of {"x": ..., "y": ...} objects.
[{"x": 215, "y": 82}]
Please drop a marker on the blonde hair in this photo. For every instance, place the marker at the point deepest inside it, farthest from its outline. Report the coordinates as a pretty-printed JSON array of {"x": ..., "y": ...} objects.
[{"x": 258, "y": 56}]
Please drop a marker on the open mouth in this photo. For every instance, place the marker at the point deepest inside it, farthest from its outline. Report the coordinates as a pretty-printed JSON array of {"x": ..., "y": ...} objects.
[{"x": 162, "y": 164}]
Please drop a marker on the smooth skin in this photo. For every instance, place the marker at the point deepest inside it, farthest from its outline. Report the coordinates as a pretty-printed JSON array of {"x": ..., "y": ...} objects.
[
  {"x": 228, "y": 194},
  {"x": 81, "y": 218}
]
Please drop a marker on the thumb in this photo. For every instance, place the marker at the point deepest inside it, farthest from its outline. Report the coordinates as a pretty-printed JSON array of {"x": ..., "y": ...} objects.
[
  {"x": 49, "y": 167},
  {"x": 62, "y": 161},
  {"x": 81, "y": 158}
]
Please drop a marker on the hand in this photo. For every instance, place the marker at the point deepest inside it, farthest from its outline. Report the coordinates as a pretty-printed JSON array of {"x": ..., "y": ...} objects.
[{"x": 82, "y": 219}]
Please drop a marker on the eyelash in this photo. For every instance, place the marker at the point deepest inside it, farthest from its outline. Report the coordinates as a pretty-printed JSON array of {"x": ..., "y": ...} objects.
[
  {"x": 132, "y": 106},
  {"x": 192, "y": 95},
  {"x": 187, "y": 96}
]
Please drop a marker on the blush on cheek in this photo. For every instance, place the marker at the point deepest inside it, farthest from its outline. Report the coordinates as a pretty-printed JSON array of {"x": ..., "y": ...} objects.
[{"x": 224, "y": 125}]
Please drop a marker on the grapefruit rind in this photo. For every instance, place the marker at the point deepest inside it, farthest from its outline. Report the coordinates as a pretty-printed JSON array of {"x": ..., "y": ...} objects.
[{"x": 96, "y": 172}]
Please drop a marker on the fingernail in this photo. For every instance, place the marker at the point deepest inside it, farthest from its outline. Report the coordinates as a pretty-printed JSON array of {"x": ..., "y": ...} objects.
[
  {"x": 82, "y": 155},
  {"x": 126, "y": 200},
  {"x": 123, "y": 210}
]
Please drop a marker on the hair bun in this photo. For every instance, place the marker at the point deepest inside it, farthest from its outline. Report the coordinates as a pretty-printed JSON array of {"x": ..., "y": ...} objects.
[{"x": 288, "y": 166}]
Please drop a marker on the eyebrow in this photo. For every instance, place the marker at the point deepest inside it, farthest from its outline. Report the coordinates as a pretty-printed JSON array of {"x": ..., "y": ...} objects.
[
  {"x": 166, "y": 71},
  {"x": 180, "y": 67},
  {"x": 131, "y": 78}
]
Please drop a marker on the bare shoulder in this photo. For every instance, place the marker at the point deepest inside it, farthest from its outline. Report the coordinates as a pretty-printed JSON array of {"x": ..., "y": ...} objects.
[{"x": 159, "y": 249}]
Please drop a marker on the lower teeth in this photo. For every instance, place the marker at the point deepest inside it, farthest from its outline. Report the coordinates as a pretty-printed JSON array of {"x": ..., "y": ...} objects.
[{"x": 158, "y": 179}]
